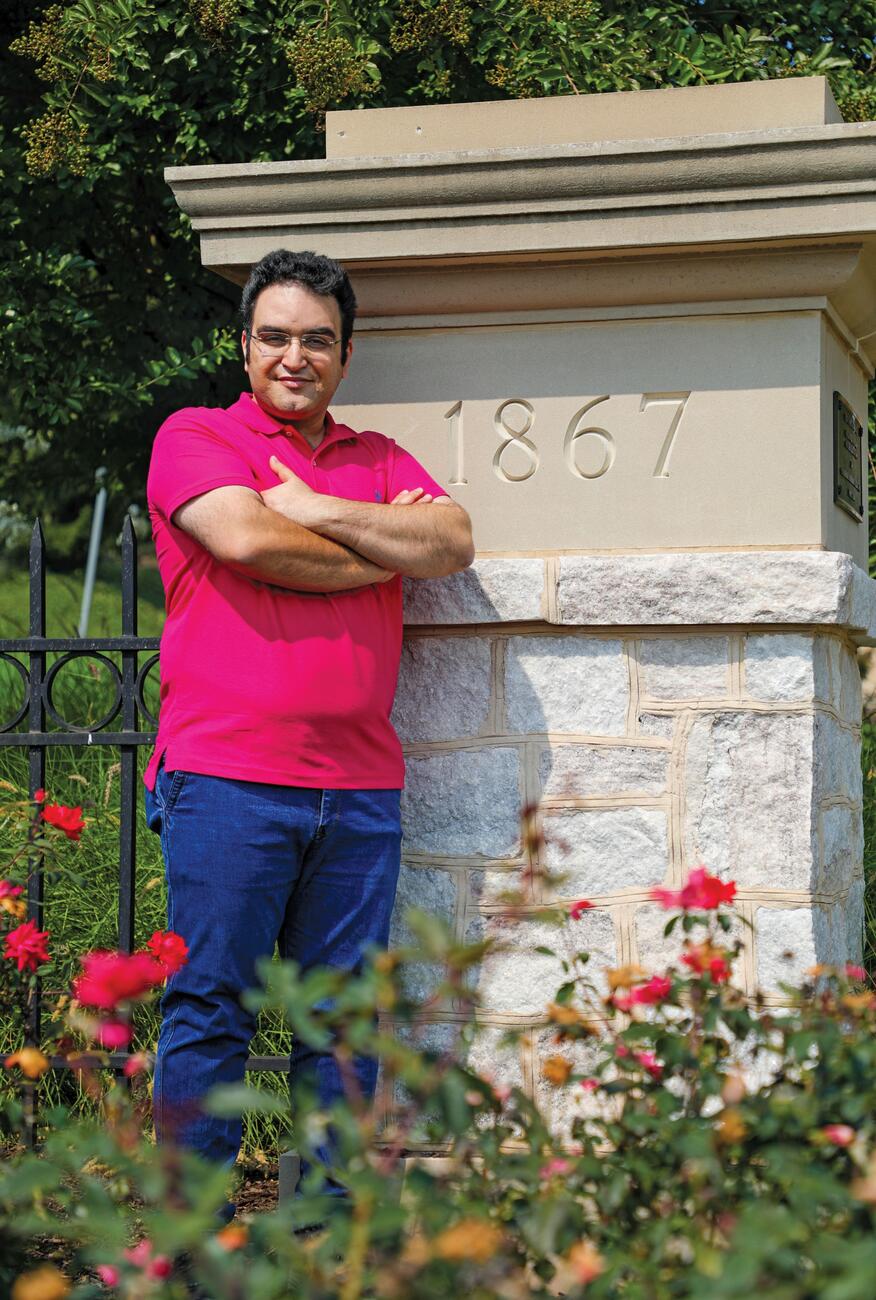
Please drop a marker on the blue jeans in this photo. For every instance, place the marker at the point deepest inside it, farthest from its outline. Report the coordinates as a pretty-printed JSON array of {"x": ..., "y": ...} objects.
[{"x": 250, "y": 865}]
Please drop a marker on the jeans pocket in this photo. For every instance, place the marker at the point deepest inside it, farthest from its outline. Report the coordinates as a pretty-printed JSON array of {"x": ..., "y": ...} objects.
[
  {"x": 175, "y": 782},
  {"x": 152, "y": 808},
  {"x": 168, "y": 787}
]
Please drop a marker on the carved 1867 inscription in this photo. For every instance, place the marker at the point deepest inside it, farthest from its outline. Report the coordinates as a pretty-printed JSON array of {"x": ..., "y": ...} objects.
[
  {"x": 624, "y": 434},
  {"x": 589, "y": 449}
]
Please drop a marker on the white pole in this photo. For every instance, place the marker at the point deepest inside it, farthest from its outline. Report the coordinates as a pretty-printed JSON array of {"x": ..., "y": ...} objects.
[{"x": 93, "y": 552}]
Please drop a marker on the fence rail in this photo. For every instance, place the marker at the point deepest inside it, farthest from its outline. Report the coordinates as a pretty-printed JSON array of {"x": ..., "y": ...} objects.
[{"x": 129, "y": 711}]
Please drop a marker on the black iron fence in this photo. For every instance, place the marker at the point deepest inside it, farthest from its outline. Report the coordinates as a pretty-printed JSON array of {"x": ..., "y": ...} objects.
[{"x": 126, "y": 725}]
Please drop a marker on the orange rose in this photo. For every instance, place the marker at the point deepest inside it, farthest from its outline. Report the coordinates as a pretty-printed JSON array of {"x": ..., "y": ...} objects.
[
  {"x": 30, "y": 1060},
  {"x": 731, "y": 1126},
  {"x": 556, "y": 1069},
  {"x": 569, "y": 1017},
  {"x": 473, "y": 1239},
  {"x": 586, "y": 1262},
  {"x": 43, "y": 1283},
  {"x": 624, "y": 977},
  {"x": 233, "y": 1237}
]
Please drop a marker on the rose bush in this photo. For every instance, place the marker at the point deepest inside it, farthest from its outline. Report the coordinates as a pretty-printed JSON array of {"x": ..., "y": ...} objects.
[{"x": 711, "y": 1148}]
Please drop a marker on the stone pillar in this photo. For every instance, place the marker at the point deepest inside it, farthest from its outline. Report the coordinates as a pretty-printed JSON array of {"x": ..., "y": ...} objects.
[{"x": 632, "y": 334}]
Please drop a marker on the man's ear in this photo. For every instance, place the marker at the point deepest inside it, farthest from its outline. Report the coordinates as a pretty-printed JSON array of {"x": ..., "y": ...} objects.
[
  {"x": 244, "y": 347},
  {"x": 346, "y": 365}
]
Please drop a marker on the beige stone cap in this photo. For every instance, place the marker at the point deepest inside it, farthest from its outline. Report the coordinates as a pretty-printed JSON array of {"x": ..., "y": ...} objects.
[
  {"x": 668, "y": 589},
  {"x": 559, "y": 119}
]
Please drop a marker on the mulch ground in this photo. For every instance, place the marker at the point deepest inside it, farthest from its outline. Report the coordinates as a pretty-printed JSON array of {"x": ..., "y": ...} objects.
[{"x": 256, "y": 1194}]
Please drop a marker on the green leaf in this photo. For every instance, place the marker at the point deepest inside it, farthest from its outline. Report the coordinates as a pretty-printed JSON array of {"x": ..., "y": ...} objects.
[{"x": 231, "y": 1100}]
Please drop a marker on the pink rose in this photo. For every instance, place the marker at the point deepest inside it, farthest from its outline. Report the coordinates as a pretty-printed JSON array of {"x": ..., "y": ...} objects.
[{"x": 841, "y": 1135}]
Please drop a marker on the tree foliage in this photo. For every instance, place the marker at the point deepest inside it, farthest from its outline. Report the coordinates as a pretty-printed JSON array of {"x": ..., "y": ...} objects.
[{"x": 108, "y": 319}]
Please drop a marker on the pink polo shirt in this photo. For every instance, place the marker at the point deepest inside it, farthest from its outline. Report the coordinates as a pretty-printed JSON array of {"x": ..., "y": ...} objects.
[{"x": 259, "y": 683}]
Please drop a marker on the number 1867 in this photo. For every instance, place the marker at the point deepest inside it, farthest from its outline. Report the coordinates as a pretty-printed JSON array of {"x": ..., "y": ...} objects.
[{"x": 578, "y": 429}]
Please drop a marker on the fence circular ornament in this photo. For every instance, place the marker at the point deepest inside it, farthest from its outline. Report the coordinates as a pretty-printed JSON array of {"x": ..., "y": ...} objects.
[
  {"x": 142, "y": 674},
  {"x": 49, "y": 682},
  {"x": 25, "y": 678}
]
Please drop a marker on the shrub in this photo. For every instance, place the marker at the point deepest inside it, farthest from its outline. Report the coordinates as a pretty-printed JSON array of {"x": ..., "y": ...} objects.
[{"x": 712, "y": 1147}]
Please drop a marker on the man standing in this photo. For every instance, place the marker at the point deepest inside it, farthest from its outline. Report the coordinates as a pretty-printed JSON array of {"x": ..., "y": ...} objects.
[{"x": 275, "y": 783}]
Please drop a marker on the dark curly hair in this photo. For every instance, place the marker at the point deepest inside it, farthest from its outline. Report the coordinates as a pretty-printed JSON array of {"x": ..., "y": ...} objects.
[{"x": 321, "y": 275}]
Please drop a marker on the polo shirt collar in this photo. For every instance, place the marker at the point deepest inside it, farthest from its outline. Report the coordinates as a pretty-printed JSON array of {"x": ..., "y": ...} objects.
[{"x": 247, "y": 410}]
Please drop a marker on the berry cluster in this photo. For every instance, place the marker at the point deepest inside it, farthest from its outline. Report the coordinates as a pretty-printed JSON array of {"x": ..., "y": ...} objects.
[
  {"x": 214, "y": 17},
  {"x": 327, "y": 68},
  {"x": 421, "y": 24},
  {"x": 565, "y": 11}
]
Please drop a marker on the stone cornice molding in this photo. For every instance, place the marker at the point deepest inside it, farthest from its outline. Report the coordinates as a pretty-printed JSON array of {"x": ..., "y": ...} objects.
[
  {"x": 806, "y": 163},
  {"x": 793, "y": 193}
]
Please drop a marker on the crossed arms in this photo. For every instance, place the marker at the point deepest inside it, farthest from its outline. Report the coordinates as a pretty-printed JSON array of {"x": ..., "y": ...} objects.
[{"x": 303, "y": 540}]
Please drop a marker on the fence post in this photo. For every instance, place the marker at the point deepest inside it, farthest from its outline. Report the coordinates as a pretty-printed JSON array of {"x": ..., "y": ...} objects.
[
  {"x": 36, "y": 756},
  {"x": 128, "y": 752}
]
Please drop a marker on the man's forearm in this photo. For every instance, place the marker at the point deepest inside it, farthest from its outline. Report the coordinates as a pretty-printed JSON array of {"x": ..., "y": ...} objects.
[
  {"x": 420, "y": 541},
  {"x": 294, "y": 557},
  {"x": 235, "y": 527}
]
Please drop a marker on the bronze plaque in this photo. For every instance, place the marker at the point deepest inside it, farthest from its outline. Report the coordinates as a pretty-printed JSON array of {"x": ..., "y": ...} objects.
[{"x": 848, "y": 458}]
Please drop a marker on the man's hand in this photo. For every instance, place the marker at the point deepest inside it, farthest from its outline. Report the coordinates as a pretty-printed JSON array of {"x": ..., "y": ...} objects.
[
  {"x": 411, "y": 496},
  {"x": 292, "y": 497},
  {"x": 296, "y": 501}
]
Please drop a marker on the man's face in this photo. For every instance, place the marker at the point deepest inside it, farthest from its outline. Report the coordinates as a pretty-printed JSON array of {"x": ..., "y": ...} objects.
[{"x": 295, "y": 386}]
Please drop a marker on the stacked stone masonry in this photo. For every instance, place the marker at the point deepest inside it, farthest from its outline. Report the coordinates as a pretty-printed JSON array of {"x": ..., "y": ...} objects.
[{"x": 648, "y": 750}]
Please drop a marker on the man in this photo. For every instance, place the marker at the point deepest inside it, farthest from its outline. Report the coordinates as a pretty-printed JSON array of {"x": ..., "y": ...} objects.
[{"x": 275, "y": 783}]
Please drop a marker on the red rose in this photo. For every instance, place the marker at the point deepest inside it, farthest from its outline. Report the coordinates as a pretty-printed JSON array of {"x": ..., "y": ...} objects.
[
  {"x": 109, "y": 978},
  {"x": 169, "y": 950},
  {"x": 113, "y": 1034},
  {"x": 656, "y": 990},
  {"x": 577, "y": 910},
  {"x": 700, "y": 893},
  {"x": 137, "y": 1064},
  {"x": 68, "y": 820},
  {"x": 154, "y": 1266},
  {"x": 26, "y": 946},
  {"x": 649, "y": 1062},
  {"x": 704, "y": 959}
]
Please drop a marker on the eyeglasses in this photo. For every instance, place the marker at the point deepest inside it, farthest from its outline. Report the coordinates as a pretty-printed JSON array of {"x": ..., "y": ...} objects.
[{"x": 274, "y": 343}]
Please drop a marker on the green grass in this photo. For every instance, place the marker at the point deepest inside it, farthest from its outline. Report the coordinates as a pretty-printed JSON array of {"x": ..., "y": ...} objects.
[{"x": 64, "y": 598}]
